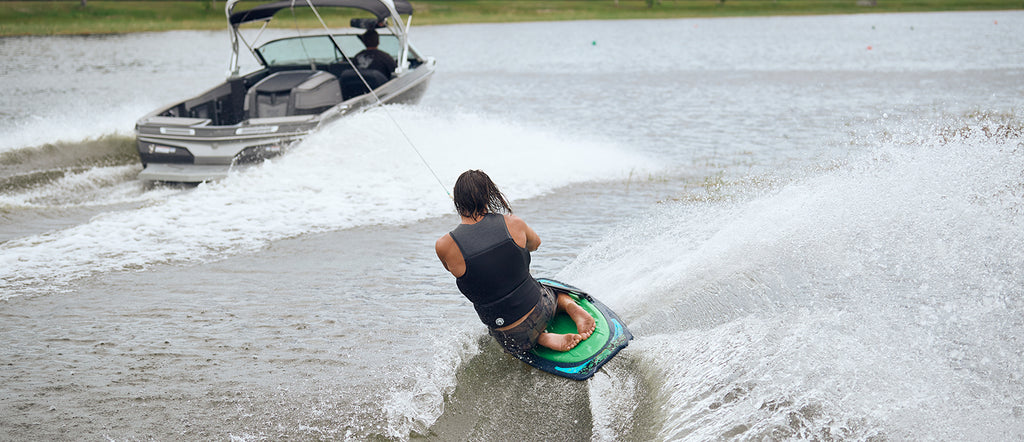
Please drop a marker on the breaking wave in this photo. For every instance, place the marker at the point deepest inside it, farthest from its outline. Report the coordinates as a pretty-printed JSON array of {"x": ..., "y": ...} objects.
[
  {"x": 358, "y": 171},
  {"x": 873, "y": 298}
]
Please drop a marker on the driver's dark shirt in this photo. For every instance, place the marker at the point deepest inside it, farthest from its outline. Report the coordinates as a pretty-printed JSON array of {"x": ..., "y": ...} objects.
[{"x": 376, "y": 59}]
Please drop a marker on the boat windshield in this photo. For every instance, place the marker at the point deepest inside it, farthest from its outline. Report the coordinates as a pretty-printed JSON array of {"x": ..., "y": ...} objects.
[{"x": 319, "y": 49}]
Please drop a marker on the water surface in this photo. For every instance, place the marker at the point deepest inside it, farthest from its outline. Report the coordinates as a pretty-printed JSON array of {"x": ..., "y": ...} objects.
[{"x": 811, "y": 224}]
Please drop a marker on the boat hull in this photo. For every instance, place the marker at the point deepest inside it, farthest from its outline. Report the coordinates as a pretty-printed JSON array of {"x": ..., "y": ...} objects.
[{"x": 191, "y": 149}]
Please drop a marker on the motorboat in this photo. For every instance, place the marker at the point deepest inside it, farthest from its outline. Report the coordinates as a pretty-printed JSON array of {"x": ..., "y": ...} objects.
[{"x": 303, "y": 82}]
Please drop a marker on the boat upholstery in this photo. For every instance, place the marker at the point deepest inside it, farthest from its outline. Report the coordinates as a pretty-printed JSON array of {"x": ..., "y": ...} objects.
[{"x": 287, "y": 93}]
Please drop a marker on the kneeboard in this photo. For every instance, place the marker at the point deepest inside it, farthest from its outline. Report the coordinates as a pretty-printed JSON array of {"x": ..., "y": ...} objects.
[{"x": 610, "y": 335}]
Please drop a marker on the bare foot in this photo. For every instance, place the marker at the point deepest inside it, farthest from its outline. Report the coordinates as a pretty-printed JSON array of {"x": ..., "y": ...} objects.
[
  {"x": 585, "y": 323},
  {"x": 559, "y": 342}
]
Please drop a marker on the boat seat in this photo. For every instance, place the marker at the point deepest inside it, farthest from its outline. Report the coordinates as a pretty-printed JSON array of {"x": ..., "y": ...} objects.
[
  {"x": 289, "y": 93},
  {"x": 352, "y": 86}
]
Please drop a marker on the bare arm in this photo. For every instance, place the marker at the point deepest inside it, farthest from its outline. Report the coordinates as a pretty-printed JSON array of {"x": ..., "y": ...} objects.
[
  {"x": 522, "y": 233},
  {"x": 450, "y": 256}
]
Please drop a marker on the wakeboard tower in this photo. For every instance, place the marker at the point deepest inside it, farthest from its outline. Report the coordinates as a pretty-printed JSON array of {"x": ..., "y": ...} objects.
[{"x": 610, "y": 335}]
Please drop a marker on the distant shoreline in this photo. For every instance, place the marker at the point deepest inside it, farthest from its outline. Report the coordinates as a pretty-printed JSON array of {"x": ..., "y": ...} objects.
[{"x": 19, "y": 18}]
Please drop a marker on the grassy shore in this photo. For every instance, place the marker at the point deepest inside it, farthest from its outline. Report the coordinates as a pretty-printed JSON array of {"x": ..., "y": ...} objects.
[{"x": 106, "y": 16}]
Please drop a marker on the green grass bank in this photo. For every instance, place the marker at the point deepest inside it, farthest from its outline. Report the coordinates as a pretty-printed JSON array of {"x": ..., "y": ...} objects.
[{"x": 107, "y": 16}]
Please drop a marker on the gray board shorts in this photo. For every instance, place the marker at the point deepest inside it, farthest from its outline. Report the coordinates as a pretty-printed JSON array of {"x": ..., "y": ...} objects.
[{"x": 523, "y": 337}]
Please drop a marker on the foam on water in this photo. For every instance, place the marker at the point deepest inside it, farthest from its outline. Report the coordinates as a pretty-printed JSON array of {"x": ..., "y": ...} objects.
[
  {"x": 360, "y": 171},
  {"x": 76, "y": 121},
  {"x": 412, "y": 407},
  {"x": 880, "y": 297},
  {"x": 96, "y": 186}
]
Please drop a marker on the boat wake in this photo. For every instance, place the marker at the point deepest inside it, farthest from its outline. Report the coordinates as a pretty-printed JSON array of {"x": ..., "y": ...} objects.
[
  {"x": 875, "y": 298},
  {"x": 62, "y": 184},
  {"x": 358, "y": 171},
  {"x": 39, "y": 166}
]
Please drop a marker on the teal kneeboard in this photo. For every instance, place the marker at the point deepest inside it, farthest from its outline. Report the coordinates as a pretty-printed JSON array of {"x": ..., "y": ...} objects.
[{"x": 610, "y": 335}]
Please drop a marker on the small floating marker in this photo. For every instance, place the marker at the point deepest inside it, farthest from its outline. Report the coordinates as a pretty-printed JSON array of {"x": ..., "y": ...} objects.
[
  {"x": 869, "y": 47},
  {"x": 593, "y": 43},
  {"x": 995, "y": 22}
]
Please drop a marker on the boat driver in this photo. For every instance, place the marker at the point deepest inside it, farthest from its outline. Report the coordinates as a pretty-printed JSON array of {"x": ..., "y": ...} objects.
[
  {"x": 489, "y": 255},
  {"x": 373, "y": 58}
]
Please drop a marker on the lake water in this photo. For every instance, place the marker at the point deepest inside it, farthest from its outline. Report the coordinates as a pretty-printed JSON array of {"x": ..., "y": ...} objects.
[{"x": 814, "y": 226}]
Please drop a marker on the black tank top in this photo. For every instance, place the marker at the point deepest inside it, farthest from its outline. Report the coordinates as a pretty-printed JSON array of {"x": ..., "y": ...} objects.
[{"x": 497, "y": 278}]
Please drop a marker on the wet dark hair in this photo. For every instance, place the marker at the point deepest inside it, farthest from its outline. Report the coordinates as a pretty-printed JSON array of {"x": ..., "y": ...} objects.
[
  {"x": 370, "y": 38},
  {"x": 476, "y": 194}
]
